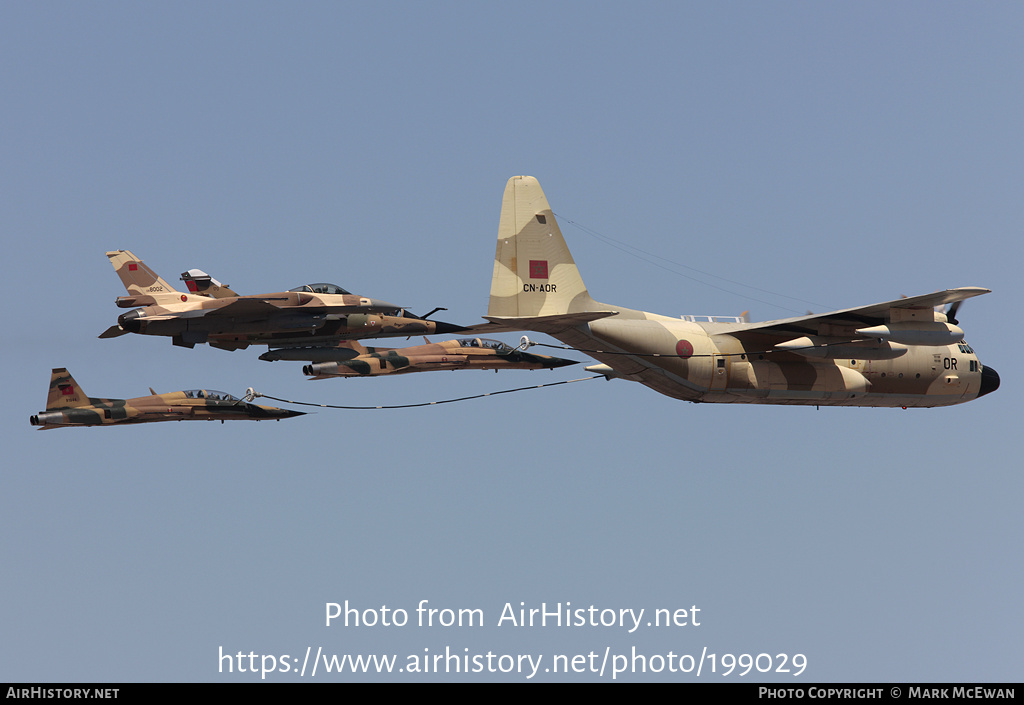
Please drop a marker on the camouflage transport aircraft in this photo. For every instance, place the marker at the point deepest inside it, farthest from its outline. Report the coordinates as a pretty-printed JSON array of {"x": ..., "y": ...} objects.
[
  {"x": 465, "y": 354},
  {"x": 67, "y": 405},
  {"x": 212, "y": 313},
  {"x": 902, "y": 353}
]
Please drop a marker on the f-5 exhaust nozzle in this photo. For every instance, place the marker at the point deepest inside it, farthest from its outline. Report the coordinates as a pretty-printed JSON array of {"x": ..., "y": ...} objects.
[{"x": 46, "y": 418}]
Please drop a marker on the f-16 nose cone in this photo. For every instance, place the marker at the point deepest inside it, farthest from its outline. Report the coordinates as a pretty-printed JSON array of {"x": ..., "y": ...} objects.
[
  {"x": 441, "y": 328},
  {"x": 989, "y": 380}
]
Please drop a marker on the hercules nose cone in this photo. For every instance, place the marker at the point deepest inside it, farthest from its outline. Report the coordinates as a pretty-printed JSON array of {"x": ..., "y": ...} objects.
[{"x": 989, "y": 381}]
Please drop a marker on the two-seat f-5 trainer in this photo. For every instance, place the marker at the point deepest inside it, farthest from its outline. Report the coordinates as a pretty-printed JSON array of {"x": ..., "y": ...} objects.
[
  {"x": 354, "y": 360},
  {"x": 68, "y": 405},
  {"x": 309, "y": 315},
  {"x": 902, "y": 353}
]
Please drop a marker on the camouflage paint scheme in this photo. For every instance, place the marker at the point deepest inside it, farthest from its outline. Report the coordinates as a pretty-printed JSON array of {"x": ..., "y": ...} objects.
[
  {"x": 464, "y": 354},
  {"x": 215, "y": 315},
  {"x": 67, "y": 405},
  {"x": 901, "y": 353}
]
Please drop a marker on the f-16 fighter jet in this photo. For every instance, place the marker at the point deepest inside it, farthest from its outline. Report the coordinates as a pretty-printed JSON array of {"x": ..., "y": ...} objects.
[
  {"x": 67, "y": 405},
  {"x": 211, "y": 313},
  {"x": 354, "y": 360}
]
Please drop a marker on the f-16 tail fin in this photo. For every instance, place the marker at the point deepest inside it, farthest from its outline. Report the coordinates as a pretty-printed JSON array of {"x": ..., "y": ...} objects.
[
  {"x": 64, "y": 391},
  {"x": 139, "y": 279}
]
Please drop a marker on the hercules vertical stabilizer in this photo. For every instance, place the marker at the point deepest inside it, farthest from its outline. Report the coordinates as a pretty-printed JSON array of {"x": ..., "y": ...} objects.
[{"x": 535, "y": 276}]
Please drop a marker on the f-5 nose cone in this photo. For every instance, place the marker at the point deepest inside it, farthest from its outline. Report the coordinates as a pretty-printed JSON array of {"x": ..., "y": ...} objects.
[{"x": 989, "y": 380}]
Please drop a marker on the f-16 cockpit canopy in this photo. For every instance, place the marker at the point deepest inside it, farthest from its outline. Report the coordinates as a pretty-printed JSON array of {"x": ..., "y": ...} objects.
[
  {"x": 211, "y": 394},
  {"x": 320, "y": 288},
  {"x": 484, "y": 343}
]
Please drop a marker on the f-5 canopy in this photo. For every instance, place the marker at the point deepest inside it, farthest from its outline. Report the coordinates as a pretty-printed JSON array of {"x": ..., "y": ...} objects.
[
  {"x": 320, "y": 288},
  {"x": 484, "y": 343},
  {"x": 211, "y": 394}
]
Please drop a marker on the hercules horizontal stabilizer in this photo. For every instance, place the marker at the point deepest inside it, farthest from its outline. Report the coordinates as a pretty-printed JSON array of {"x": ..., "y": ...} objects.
[{"x": 543, "y": 324}]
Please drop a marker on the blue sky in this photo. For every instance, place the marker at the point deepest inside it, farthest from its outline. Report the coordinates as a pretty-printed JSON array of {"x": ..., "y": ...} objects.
[{"x": 816, "y": 156}]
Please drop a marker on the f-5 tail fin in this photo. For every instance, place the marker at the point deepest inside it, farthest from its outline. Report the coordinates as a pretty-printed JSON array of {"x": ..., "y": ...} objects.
[
  {"x": 139, "y": 279},
  {"x": 534, "y": 272},
  {"x": 64, "y": 391}
]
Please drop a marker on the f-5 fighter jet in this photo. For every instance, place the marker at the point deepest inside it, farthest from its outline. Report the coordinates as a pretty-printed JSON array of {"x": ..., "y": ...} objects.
[
  {"x": 67, "y": 405},
  {"x": 313, "y": 314},
  {"x": 354, "y": 360}
]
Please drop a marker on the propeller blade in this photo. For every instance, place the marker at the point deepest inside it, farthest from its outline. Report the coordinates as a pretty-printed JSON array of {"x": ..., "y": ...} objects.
[{"x": 951, "y": 313}]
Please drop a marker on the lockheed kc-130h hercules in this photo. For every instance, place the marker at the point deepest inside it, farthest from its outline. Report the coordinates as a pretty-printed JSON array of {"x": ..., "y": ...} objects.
[
  {"x": 464, "y": 354},
  {"x": 902, "y": 353},
  {"x": 214, "y": 314},
  {"x": 68, "y": 405}
]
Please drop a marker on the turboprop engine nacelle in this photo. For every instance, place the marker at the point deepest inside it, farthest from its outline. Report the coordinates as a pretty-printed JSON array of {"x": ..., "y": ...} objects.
[{"x": 916, "y": 333}]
